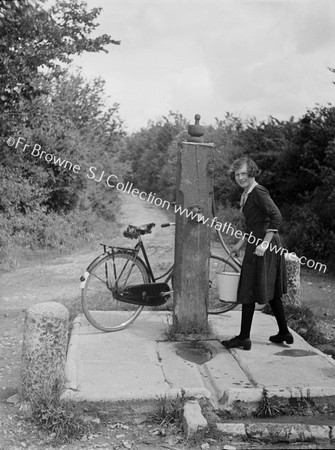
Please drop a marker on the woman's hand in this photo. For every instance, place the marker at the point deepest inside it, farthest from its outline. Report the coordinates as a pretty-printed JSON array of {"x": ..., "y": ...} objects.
[
  {"x": 261, "y": 248},
  {"x": 235, "y": 251}
]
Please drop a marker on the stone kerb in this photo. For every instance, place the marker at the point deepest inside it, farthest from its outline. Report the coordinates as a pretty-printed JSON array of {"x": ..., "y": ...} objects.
[
  {"x": 293, "y": 295},
  {"x": 44, "y": 349},
  {"x": 193, "y": 420}
]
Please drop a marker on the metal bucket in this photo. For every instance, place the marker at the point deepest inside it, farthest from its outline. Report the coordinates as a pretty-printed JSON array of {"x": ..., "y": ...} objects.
[{"x": 227, "y": 285}]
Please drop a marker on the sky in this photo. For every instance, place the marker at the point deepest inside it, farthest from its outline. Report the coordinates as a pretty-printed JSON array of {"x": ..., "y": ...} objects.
[{"x": 252, "y": 58}]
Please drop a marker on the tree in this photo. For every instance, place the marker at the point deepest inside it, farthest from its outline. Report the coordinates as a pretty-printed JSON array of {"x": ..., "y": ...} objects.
[
  {"x": 73, "y": 123},
  {"x": 42, "y": 103},
  {"x": 297, "y": 158},
  {"x": 148, "y": 151},
  {"x": 36, "y": 44}
]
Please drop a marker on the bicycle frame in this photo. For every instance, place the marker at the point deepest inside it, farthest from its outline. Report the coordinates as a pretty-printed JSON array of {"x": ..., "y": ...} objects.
[
  {"x": 169, "y": 273},
  {"x": 143, "y": 289},
  {"x": 166, "y": 276},
  {"x": 139, "y": 247}
]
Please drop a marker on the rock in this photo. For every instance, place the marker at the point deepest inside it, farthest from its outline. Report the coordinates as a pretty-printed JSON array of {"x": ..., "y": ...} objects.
[
  {"x": 235, "y": 430},
  {"x": 44, "y": 349},
  {"x": 14, "y": 399},
  {"x": 193, "y": 420},
  {"x": 120, "y": 436},
  {"x": 96, "y": 420},
  {"x": 293, "y": 295}
]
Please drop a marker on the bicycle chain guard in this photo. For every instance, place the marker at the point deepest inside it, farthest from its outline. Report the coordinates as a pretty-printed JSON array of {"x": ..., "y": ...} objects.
[{"x": 148, "y": 294}]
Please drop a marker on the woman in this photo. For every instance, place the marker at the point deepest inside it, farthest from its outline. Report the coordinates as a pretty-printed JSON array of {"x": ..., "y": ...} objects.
[{"x": 263, "y": 274}]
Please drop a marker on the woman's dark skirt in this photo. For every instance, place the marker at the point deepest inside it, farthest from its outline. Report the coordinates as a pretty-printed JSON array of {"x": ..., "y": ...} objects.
[{"x": 263, "y": 278}]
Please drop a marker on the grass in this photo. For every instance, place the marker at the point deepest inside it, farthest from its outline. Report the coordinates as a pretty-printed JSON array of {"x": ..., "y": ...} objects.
[
  {"x": 303, "y": 320},
  {"x": 267, "y": 407},
  {"x": 62, "y": 420},
  {"x": 168, "y": 411},
  {"x": 210, "y": 433},
  {"x": 39, "y": 238},
  {"x": 176, "y": 332}
]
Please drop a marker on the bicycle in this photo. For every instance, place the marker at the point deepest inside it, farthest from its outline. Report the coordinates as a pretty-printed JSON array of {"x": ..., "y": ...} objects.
[{"x": 119, "y": 283}]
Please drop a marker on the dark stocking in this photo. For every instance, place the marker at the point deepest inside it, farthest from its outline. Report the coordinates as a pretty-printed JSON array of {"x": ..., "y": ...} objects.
[
  {"x": 248, "y": 310},
  {"x": 279, "y": 313}
]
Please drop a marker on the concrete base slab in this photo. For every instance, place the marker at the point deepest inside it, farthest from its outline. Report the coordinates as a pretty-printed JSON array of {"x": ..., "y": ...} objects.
[
  {"x": 140, "y": 364},
  {"x": 296, "y": 370}
]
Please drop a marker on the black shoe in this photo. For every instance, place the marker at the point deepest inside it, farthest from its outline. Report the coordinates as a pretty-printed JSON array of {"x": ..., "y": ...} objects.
[
  {"x": 237, "y": 342},
  {"x": 278, "y": 338}
]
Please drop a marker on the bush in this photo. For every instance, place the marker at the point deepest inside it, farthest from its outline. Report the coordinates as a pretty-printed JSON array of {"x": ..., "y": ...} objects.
[
  {"x": 233, "y": 216},
  {"x": 104, "y": 201},
  {"x": 41, "y": 230},
  {"x": 307, "y": 235},
  {"x": 23, "y": 234}
]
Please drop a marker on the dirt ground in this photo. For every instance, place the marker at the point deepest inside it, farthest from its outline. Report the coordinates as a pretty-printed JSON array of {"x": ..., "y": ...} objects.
[{"x": 58, "y": 280}]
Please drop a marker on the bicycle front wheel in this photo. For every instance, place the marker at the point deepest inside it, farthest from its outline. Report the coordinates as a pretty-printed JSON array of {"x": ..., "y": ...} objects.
[
  {"x": 215, "y": 305},
  {"x": 100, "y": 307}
]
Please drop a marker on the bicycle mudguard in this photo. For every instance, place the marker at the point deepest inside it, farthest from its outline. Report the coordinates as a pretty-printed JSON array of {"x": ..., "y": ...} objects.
[
  {"x": 148, "y": 294},
  {"x": 118, "y": 251}
]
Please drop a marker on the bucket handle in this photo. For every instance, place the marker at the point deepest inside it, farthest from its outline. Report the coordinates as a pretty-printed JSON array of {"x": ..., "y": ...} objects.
[{"x": 225, "y": 263}]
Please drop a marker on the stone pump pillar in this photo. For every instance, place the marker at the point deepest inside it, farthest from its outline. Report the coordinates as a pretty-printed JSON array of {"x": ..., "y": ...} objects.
[{"x": 192, "y": 241}]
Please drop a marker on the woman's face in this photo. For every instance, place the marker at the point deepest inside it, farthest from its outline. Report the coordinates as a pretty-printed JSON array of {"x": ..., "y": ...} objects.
[{"x": 242, "y": 178}]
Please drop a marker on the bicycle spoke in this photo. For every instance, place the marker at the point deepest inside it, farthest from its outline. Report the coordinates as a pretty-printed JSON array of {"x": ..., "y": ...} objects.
[
  {"x": 100, "y": 306},
  {"x": 102, "y": 281}
]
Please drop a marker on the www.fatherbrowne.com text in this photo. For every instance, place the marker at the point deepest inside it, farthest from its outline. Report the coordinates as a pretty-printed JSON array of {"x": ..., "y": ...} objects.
[
  {"x": 225, "y": 227},
  {"x": 112, "y": 181}
]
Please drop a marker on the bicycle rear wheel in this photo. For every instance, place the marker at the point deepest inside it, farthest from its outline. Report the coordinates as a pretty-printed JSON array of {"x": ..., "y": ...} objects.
[
  {"x": 215, "y": 305},
  {"x": 100, "y": 306}
]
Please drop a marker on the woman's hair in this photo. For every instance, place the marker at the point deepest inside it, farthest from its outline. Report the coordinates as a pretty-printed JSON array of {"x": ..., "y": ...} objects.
[{"x": 252, "y": 168}]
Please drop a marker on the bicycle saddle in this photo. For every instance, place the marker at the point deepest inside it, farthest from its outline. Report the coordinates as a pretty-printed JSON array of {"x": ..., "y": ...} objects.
[{"x": 132, "y": 232}]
